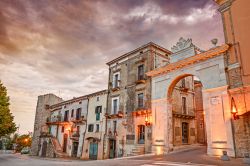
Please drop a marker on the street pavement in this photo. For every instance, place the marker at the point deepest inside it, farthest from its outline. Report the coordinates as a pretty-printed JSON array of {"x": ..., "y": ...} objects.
[{"x": 191, "y": 157}]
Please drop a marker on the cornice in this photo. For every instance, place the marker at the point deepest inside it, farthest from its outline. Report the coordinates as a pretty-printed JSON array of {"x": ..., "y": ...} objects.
[{"x": 190, "y": 60}]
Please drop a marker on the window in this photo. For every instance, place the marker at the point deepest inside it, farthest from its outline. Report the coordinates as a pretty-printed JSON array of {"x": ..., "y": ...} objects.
[
  {"x": 114, "y": 125},
  {"x": 98, "y": 98},
  {"x": 90, "y": 128},
  {"x": 116, "y": 80},
  {"x": 141, "y": 72},
  {"x": 183, "y": 83},
  {"x": 115, "y": 106},
  {"x": 140, "y": 100},
  {"x": 78, "y": 113},
  {"x": 184, "y": 105},
  {"x": 66, "y": 116},
  {"x": 97, "y": 128},
  {"x": 62, "y": 129},
  {"x": 72, "y": 113},
  {"x": 98, "y": 111}
]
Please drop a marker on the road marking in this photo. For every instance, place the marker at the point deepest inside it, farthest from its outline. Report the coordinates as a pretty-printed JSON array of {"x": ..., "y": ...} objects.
[{"x": 169, "y": 163}]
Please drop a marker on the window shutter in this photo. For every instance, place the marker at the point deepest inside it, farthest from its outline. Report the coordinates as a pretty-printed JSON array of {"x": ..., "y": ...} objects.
[{"x": 96, "y": 109}]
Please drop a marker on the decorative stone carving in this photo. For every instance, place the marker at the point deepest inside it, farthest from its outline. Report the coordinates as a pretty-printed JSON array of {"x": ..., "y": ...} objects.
[{"x": 182, "y": 44}]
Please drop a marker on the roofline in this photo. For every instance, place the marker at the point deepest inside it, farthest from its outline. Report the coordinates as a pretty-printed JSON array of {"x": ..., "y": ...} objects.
[
  {"x": 79, "y": 98},
  {"x": 137, "y": 49},
  {"x": 190, "y": 60}
]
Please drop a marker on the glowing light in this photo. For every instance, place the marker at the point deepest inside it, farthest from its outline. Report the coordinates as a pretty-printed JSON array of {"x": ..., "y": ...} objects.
[
  {"x": 159, "y": 150},
  {"x": 234, "y": 110}
]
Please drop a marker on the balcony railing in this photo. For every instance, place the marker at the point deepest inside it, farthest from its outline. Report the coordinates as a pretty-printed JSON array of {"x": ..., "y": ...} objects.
[
  {"x": 119, "y": 114},
  {"x": 179, "y": 110}
]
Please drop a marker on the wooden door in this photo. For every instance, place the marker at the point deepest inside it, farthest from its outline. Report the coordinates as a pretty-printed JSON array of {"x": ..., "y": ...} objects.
[
  {"x": 184, "y": 133},
  {"x": 93, "y": 151},
  {"x": 112, "y": 147},
  {"x": 65, "y": 141},
  {"x": 141, "y": 134},
  {"x": 75, "y": 148}
]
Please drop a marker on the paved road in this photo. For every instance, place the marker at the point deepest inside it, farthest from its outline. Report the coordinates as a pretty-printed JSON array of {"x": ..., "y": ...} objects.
[{"x": 194, "y": 157}]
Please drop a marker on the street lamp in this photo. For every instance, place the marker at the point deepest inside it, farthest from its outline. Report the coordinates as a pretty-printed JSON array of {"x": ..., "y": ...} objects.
[{"x": 234, "y": 110}]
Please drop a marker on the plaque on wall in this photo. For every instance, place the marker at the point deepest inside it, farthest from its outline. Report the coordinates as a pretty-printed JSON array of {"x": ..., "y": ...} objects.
[{"x": 130, "y": 137}]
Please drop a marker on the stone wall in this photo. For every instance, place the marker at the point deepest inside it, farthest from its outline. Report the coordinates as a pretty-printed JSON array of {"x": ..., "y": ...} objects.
[
  {"x": 242, "y": 135},
  {"x": 42, "y": 113}
]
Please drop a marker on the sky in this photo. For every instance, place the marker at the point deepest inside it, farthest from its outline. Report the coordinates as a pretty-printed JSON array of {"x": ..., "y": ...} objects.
[{"x": 62, "y": 46}]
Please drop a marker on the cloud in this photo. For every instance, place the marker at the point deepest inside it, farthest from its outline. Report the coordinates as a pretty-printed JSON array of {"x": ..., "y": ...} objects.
[{"x": 62, "y": 46}]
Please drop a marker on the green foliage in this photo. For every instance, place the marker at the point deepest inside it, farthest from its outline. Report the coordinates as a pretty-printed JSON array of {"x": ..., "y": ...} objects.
[
  {"x": 23, "y": 141},
  {"x": 7, "y": 126}
]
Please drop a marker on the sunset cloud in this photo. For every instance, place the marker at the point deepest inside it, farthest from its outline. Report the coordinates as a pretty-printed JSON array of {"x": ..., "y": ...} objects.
[{"x": 62, "y": 46}]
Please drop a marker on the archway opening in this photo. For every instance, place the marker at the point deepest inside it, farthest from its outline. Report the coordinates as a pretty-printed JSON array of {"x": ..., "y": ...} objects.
[{"x": 188, "y": 118}]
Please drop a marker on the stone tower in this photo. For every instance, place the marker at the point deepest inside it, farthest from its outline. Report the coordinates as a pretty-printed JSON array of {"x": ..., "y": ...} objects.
[{"x": 42, "y": 113}]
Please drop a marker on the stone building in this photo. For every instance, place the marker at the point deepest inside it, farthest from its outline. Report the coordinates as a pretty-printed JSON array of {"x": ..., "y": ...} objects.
[
  {"x": 129, "y": 100},
  {"x": 65, "y": 130},
  {"x": 183, "y": 109},
  {"x": 236, "y": 24},
  {"x": 42, "y": 113},
  {"x": 96, "y": 122}
]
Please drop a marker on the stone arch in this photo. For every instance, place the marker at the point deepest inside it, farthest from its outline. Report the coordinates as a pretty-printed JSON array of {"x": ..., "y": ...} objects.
[{"x": 211, "y": 73}]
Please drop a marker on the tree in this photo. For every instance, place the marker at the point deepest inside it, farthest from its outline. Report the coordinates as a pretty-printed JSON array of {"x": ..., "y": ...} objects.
[{"x": 7, "y": 126}]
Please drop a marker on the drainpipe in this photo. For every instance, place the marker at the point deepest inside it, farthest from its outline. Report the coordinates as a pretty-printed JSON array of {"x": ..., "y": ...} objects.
[
  {"x": 106, "y": 121},
  {"x": 85, "y": 127}
]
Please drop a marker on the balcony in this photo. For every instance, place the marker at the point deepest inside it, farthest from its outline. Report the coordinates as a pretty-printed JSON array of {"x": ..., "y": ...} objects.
[
  {"x": 75, "y": 136},
  {"x": 178, "y": 111},
  {"x": 112, "y": 133},
  {"x": 116, "y": 115},
  {"x": 184, "y": 88},
  {"x": 81, "y": 119},
  {"x": 141, "y": 112},
  {"x": 115, "y": 87},
  {"x": 140, "y": 81},
  {"x": 56, "y": 120}
]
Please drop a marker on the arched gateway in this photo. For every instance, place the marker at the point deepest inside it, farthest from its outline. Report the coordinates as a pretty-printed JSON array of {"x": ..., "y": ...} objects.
[{"x": 209, "y": 67}]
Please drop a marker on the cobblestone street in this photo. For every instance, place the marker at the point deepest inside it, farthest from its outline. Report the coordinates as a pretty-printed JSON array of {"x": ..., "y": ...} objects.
[{"x": 195, "y": 157}]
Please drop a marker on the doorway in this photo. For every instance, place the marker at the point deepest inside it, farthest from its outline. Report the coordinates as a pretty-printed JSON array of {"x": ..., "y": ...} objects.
[
  {"x": 93, "y": 151},
  {"x": 112, "y": 147},
  {"x": 44, "y": 149},
  {"x": 185, "y": 133},
  {"x": 75, "y": 148},
  {"x": 65, "y": 141},
  {"x": 141, "y": 134}
]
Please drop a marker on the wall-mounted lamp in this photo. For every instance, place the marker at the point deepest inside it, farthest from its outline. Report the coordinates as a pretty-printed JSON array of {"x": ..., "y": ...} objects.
[
  {"x": 147, "y": 122},
  {"x": 234, "y": 110}
]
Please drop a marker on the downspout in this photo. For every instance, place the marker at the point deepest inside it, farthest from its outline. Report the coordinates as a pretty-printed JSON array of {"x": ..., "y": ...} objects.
[
  {"x": 106, "y": 121},
  {"x": 85, "y": 127}
]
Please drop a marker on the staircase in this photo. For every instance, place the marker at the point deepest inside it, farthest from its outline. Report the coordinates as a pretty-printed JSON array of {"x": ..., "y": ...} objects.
[
  {"x": 58, "y": 149},
  {"x": 138, "y": 149}
]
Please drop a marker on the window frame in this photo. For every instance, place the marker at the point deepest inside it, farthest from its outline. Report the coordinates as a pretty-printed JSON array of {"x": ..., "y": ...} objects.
[
  {"x": 140, "y": 102},
  {"x": 116, "y": 82},
  {"x": 140, "y": 72},
  {"x": 117, "y": 105},
  {"x": 91, "y": 126},
  {"x": 97, "y": 128},
  {"x": 184, "y": 105}
]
